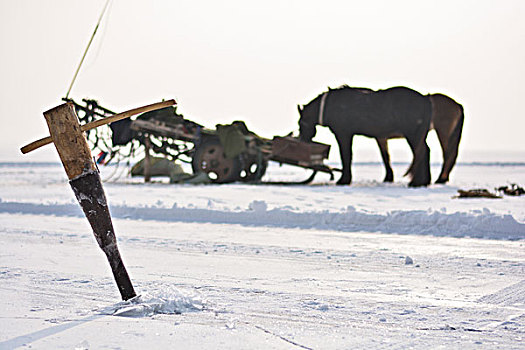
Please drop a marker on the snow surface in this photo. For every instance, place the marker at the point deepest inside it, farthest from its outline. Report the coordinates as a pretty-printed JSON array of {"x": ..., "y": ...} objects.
[{"x": 370, "y": 265}]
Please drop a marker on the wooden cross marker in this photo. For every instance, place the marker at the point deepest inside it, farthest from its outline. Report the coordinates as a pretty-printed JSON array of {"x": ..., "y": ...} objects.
[{"x": 67, "y": 135}]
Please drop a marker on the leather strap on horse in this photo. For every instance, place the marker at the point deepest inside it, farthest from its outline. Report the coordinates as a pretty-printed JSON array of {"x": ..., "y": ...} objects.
[{"x": 321, "y": 108}]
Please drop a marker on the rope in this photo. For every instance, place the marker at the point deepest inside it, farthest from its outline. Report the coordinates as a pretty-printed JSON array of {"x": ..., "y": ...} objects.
[{"x": 87, "y": 48}]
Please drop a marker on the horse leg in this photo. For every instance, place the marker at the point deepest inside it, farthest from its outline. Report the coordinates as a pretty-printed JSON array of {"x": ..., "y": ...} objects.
[
  {"x": 383, "y": 147},
  {"x": 450, "y": 147},
  {"x": 420, "y": 167},
  {"x": 345, "y": 149},
  {"x": 443, "y": 133},
  {"x": 448, "y": 164}
]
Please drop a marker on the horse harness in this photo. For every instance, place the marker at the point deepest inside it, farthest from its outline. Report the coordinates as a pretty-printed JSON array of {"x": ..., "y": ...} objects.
[{"x": 321, "y": 108}]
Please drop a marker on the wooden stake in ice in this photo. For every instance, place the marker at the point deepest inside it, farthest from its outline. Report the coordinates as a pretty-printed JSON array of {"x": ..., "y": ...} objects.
[
  {"x": 66, "y": 133},
  {"x": 85, "y": 181}
]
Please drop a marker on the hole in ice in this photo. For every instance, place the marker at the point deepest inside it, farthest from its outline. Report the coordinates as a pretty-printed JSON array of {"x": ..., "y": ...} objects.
[{"x": 168, "y": 301}]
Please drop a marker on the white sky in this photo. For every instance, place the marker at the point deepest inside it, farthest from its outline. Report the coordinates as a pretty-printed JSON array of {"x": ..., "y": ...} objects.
[{"x": 255, "y": 61}]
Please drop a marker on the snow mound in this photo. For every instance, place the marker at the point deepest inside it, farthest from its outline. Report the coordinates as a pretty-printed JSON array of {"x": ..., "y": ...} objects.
[
  {"x": 169, "y": 301},
  {"x": 474, "y": 223}
]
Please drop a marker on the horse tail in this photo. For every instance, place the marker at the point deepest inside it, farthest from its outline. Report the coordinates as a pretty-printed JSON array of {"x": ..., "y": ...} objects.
[
  {"x": 451, "y": 153},
  {"x": 419, "y": 170},
  {"x": 410, "y": 170},
  {"x": 420, "y": 166},
  {"x": 416, "y": 161},
  {"x": 455, "y": 137}
]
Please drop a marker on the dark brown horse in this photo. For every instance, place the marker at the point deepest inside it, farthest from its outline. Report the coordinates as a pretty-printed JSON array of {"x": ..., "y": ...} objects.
[
  {"x": 383, "y": 114},
  {"x": 447, "y": 120}
]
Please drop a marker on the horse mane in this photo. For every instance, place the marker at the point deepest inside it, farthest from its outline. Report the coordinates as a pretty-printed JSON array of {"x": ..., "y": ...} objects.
[
  {"x": 341, "y": 87},
  {"x": 347, "y": 87}
]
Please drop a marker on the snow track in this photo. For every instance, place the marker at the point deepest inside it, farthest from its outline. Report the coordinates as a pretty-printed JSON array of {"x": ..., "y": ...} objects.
[{"x": 511, "y": 295}]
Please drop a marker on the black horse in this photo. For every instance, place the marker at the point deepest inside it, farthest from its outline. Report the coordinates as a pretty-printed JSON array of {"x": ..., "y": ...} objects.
[{"x": 382, "y": 114}]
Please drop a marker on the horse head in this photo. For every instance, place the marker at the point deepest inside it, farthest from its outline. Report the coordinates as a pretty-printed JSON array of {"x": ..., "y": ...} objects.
[{"x": 309, "y": 118}]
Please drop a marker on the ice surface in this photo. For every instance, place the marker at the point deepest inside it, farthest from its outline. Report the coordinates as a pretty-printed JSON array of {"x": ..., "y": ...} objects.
[{"x": 265, "y": 267}]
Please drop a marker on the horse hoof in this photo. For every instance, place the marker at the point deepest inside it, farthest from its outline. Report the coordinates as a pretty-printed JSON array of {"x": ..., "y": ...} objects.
[
  {"x": 417, "y": 184},
  {"x": 388, "y": 179},
  {"x": 441, "y": 181},
  {"x": 343, "y": 182}
]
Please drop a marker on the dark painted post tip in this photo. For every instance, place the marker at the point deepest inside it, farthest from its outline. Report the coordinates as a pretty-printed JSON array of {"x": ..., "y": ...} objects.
[{"x": 90, "y": 194}]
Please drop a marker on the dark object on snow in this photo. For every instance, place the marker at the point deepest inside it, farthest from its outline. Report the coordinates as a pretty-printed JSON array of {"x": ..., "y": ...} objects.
[
  {"x": 476, "y": 193},
  {"x": 514, "y": 190},
  {"x": 447, "y": 120},
  {"x": 394, "y": 112}
]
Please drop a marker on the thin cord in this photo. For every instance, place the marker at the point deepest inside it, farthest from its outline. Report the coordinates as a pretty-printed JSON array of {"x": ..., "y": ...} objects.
[
  {"x": 102, "y": 35},
  {"x": 87, "y": 48}
]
